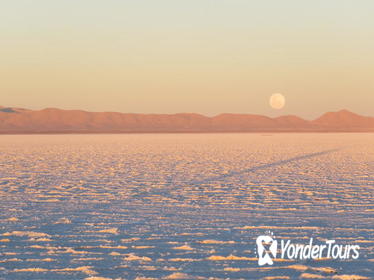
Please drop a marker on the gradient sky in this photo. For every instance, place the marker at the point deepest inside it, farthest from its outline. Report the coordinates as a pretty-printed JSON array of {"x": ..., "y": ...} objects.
[{"x": 204, "y": 56}]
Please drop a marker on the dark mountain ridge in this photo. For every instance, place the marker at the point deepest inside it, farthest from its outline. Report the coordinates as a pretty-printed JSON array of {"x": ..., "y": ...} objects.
[{"x": 52, "y": 120}]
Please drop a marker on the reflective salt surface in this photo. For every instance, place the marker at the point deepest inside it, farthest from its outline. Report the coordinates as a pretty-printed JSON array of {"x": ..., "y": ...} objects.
[{"x": 182, "y": 206}]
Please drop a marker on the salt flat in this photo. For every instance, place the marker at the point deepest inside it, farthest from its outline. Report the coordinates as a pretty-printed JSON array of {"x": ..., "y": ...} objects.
[{"x": 182, "y": 206}]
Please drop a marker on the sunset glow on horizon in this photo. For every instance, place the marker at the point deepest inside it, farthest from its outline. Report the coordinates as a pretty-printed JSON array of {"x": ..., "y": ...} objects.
[{"x": 204, "y": 56}]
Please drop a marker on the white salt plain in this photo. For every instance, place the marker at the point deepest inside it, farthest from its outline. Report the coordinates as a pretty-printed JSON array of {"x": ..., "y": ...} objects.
[{"x": 182, "y": 206}]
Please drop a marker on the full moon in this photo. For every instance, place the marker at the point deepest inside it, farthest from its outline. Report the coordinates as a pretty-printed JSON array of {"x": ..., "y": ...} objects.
[{"x": 277, "y": 101}]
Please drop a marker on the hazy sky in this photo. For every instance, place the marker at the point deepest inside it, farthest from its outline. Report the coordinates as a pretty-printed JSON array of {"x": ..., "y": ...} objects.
[{"x": 204, "y": 56}]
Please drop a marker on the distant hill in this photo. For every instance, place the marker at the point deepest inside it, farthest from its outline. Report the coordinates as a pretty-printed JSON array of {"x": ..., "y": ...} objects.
[
  {"x": 344, "y": 120},
  {"x": 51, "y": 120}
]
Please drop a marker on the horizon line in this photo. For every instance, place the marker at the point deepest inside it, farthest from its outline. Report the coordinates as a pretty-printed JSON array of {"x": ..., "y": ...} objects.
[{"x": 182, "y": 113}]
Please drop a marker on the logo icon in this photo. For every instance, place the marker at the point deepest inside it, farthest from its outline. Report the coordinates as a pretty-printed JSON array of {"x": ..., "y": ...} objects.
[{"x": 266, "y": 249}]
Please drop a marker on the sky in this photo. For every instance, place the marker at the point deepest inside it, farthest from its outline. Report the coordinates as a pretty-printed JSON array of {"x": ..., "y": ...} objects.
[{"x": 202, "y": 56}]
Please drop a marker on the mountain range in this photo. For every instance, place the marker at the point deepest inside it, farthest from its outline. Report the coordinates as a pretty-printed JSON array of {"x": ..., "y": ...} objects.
[{"x": 52, "y": 120}]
